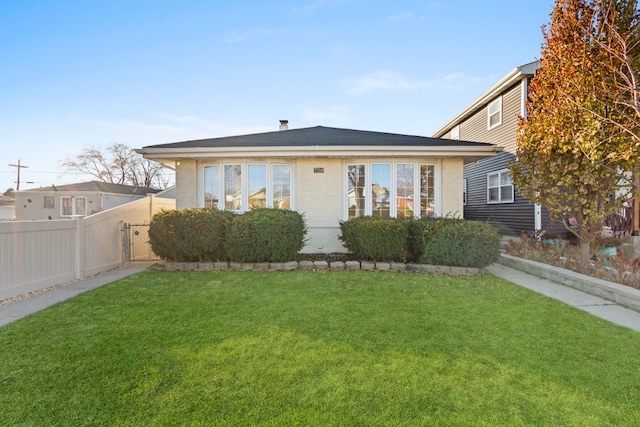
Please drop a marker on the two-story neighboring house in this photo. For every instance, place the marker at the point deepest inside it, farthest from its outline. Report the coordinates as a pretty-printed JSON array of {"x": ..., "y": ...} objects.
[
  {"x": 66, "y": 201},
  {"x": 489, "y": 192}
]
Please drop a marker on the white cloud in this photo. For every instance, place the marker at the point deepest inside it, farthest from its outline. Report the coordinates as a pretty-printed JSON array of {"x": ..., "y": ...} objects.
[{"x": 394, "y": 81}]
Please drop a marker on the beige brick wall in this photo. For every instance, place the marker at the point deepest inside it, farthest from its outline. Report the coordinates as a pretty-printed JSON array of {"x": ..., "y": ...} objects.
[
  {"x": 452, "y": 187},
  {"x": 187, "y": 184},
  {"x": 319, "y": 198}
]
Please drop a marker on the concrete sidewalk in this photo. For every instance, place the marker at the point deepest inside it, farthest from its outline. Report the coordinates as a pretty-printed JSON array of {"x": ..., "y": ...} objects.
[
  {"x": 20, "y": 308},
  {"x": 597, "y": 306}
]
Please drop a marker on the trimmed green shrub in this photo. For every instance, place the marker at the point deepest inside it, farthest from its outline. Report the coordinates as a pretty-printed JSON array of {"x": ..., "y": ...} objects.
[
  {"x": 190, "y": 235},
  {"x": 266, "y": 235},
  {"x": 465, "y": 244},
  {"x": 375, "y": 238},
  {"x": 422, "y": 231}
]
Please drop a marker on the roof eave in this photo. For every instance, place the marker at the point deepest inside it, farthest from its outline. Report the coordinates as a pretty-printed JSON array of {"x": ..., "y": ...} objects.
[
  {"x": 164, "y": 155},
  {"x": 514, "y": 76}
]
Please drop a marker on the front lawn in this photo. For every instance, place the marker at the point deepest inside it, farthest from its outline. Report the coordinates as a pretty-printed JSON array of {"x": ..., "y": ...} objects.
[{"x": 316, "y": 349}]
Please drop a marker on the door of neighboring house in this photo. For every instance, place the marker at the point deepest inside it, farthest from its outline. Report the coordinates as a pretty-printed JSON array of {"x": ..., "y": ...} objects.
[{"x": 135, "y": 243}]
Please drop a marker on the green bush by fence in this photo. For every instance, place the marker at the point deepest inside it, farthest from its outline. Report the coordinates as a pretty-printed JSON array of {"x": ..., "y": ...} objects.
[
  {"x": 190, "y": 235},
  {"x": 464, "y": 244},
  {"x": 266, "y": 235}
]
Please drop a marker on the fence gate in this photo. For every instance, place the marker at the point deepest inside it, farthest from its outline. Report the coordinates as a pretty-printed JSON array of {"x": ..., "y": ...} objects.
[{"x": 135, "y": 243}]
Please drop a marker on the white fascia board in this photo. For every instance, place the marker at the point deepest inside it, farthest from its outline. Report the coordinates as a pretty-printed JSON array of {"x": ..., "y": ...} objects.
[
  {"x": 159, "y": 154},
  {"x": 514, "y": 76}
]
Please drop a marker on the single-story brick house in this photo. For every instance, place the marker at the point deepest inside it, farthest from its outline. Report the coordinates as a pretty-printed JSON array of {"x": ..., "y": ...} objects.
[{"x": 328, "y": 174}]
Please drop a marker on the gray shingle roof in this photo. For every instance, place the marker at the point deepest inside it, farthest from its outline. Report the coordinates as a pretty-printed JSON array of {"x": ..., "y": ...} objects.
[
  {"x": 103, "y": 187},
  {"x": 319, "y": 136}
]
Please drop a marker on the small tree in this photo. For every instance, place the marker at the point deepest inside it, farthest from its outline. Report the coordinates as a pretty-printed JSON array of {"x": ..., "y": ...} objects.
[
  {"x": 119, "y": 164},
  {"x": 564, "y": 151}
]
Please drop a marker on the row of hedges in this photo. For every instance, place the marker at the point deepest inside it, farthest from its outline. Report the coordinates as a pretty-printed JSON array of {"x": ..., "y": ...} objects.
[
  {"x": 201, "y": 235},
  {"x": 440, "y": 241}
]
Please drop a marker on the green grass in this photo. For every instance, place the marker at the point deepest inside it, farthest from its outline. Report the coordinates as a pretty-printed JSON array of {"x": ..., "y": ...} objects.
[{"x": 316, "y": 349}]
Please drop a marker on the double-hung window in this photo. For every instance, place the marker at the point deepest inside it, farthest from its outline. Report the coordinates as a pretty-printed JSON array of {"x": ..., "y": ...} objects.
[
  {"x": 402, "y": 190},
  {"x": 494, "y": 113},
  {"x": 244, "y": 186},
  {"x": 499, "y": 187},
  {"x": 73, "y": 205}
]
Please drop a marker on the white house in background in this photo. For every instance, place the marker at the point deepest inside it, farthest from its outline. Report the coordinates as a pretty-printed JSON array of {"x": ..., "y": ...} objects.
[
  {"x": 327, "y": 174},
  {"x": 7, "y": 208},
  {"x": 85, "y": 198}
]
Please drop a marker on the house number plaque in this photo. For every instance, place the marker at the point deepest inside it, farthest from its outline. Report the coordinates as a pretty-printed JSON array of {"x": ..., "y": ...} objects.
[{"x": 318, "y": 170}]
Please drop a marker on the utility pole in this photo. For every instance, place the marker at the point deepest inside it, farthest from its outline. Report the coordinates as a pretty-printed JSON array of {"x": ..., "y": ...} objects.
[{"x": 19, "y": 166}]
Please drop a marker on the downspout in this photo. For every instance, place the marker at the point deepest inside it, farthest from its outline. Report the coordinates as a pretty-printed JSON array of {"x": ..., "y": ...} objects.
[{"x": 537, "y": 208}]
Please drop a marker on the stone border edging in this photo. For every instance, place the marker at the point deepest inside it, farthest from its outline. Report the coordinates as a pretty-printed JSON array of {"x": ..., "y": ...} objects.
[
  {"x": 320, "y": 266},
  {"x": 624, "y": 295}
]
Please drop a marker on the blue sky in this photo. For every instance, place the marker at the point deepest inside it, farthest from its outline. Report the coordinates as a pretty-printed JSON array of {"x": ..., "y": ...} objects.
[{"x": 79, "y": 74}]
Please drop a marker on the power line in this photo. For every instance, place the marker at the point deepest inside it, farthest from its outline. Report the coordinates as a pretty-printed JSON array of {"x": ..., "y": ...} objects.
[{"x": 19, "y": 166}]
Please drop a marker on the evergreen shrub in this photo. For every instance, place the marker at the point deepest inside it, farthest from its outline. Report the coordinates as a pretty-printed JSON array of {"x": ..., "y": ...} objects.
[
  {"x": 464, "y": 244},
  {"x": 375, "y": 238},
  {"x": 266, "y": 235},
  {"x": 190, "y": 235}
]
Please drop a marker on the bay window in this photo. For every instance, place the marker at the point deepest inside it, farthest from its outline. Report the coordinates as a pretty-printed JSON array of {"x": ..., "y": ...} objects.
[
  {"x": 389, "y": 190},
  {"x": 245, "y": 186}
]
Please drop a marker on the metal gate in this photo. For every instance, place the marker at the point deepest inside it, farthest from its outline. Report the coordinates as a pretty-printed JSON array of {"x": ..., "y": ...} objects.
[{"x": 135, "y": 243}]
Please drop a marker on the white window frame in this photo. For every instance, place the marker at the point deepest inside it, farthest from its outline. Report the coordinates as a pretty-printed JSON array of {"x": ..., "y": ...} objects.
[
  {"x": 465, "y": 192},
  {"x": 500, "y": 186},
  {"x": 49, "y": 202},
  {"x": 393, "y": 201},
  {"x": 74, "y": 206},
  {"x": 244, "y": 184},
  {"x": 455, "y": 132},
  {"x": 496, "y": 102}
]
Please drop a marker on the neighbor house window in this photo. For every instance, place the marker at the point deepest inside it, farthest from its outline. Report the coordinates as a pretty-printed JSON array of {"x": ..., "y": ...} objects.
[
  {"x": 499, "y": 187},
  {"x": 49, "y": 202},
  {"x": 455, "y": 132},
  {"x": 494, "y": 113},
  {"x": 247, "y": 186},
  {"x": 70, "y": 205},
  {"x": 389, "y": 189}
]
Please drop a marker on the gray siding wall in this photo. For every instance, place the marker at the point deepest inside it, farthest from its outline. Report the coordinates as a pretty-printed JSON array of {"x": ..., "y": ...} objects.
[
  {"x": 475, "y": 127},
  {"x": 510, "y": 218}
]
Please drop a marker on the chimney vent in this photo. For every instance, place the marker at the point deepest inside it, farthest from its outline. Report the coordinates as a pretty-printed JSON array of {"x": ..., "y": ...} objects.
[{"x": 284, "y": 124}]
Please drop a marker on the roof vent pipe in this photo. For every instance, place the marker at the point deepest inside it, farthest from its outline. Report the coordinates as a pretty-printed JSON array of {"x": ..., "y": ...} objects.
[{"x": 284, "y": 124}]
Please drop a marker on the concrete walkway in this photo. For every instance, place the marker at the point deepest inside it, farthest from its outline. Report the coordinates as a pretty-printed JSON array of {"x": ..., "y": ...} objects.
[
  {"x": 597, "y": 306},
  {"x": 20, "y": 308}
]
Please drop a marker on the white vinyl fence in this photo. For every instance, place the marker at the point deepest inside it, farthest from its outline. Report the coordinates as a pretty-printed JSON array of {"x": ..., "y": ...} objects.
[{"x": 37, "y": 254}]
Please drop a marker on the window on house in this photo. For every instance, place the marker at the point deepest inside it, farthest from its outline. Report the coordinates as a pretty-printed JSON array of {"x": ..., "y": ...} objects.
[
  {"x": 405, "y": 183},
  {"x": 281, "y": 186},
  {"x": 427, "y": 191},
  {"x": 356, "y": 190},
  {"x": 49, "y": 202},
  {"x": 71, "y": 205},
  {"x": 455, "y": 132},
  {"x": 388, "y": 189},
  {"x": 499, "y": 187},
  {"x": 212, "y": 187},
  {"x": 380, "y": 189},
  {"x": 247, "y": 186},
  {"x": 494, "y": 113}
]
